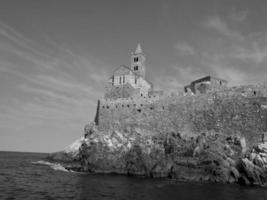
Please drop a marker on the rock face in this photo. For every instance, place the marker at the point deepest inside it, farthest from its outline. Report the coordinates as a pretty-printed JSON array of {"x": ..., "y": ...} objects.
[
  {"x": 253, "y": 167},
  {"x": 207, "y": 157}
]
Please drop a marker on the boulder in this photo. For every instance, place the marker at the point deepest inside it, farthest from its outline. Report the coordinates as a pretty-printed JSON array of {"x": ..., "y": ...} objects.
[{"x": 258, "y": 161}]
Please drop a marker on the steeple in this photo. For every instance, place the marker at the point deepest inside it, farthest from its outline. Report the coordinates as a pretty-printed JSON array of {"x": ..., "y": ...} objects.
[
  {"x": 138, "y": 49},
  {"x": 138, "y": 59}
]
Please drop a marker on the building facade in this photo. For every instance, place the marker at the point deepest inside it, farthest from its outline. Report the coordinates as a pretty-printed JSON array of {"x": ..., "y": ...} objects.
[
  {"x": 205, "y": 84},
  {"x": 127, "y": 82}
]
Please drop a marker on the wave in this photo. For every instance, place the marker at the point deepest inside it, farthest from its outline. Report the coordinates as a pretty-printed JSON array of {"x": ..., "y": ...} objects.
[{"x": 55, "y": 166}]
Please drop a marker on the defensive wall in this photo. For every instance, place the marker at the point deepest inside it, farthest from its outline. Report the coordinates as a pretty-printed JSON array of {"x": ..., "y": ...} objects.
[{"x": 235, "y": 110}]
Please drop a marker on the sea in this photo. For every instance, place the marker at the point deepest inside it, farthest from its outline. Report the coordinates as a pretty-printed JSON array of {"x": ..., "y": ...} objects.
[{"x": 29, "y": 176}]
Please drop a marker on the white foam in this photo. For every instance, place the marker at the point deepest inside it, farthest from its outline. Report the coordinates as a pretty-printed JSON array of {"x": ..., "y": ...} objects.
[{"x": 55, "y": 166}]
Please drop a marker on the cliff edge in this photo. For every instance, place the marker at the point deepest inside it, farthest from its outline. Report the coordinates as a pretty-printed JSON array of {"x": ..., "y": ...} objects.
[{"x": 215, "y": 137}]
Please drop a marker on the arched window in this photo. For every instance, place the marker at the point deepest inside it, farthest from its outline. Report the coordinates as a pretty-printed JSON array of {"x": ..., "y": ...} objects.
[
  {"x": 112, "y": 80},
  {"x": 135, "y": 59}
]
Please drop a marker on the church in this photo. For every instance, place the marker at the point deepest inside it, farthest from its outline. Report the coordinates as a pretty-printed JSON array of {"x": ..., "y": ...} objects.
[{"x": 130, "y": 82}]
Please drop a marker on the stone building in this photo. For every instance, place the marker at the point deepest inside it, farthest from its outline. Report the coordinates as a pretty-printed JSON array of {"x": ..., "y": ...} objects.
[
  {"x": 205, "y": 84},
  {"x": 127, "y": 82}
]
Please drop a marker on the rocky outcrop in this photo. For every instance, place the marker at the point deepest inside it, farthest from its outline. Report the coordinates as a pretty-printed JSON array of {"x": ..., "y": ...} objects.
[
  {"x": 206, "y": 157},
  {"x": 207, "y": 138},
  {"x": 253, "y": 166}
]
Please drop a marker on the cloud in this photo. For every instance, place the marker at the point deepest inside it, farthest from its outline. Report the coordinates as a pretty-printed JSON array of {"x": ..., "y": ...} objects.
[
  {"x": 180, "y": 76},
  {"x": 252, "y": 54},
  {"x": 184, "y": 49},
  {"x": 44, "y": 91},
  {"x": 239, "y": 16},
  {"x": 225, "y": 69},
  {"x": 220, "y": 26},
  {"x": 239, "y": 63},
  {"x": 19, "y": 40}
]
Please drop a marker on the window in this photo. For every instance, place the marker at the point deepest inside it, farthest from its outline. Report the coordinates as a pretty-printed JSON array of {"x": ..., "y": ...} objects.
[
  {"x": 120, "y": 80},
  {"x": 136, "y": 59},
  {"x": 135, "y": 68},
  {"x": 135, "y": 80},
  {"x": 123, "y": 79}
]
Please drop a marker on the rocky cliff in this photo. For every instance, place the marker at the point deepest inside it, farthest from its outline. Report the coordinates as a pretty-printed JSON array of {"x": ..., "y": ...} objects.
[{"x": 208, "y": 151}]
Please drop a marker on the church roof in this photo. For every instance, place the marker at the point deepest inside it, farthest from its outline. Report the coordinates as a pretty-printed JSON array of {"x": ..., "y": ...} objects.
[
  {"x": 122, "y": 70},
  {"x": 138, "y": 49}
]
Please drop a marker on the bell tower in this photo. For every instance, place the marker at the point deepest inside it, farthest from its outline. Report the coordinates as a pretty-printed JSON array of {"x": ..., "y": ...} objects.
[{"x": 138, "y": 60}]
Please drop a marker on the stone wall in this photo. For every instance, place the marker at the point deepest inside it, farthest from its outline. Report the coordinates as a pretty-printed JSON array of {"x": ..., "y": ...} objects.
[
  {"x": 121, "y": 91},
  {"x": 127, "y": 86},
  {"x": 230, "y": 111}
]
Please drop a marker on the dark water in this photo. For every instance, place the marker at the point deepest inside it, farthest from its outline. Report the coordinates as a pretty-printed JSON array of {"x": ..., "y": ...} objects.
[{"x": 21, "y": 179}]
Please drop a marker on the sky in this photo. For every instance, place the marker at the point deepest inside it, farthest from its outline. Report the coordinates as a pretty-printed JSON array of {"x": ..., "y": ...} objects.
[{"x": 56, "y": 57}]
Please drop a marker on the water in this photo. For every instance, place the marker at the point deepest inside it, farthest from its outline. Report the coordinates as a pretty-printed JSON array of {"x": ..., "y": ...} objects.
[{"x": 20, "y": 178}]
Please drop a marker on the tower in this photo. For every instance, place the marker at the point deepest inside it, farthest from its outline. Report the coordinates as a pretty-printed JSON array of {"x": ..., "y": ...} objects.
[{"x": 138, "y": 61}]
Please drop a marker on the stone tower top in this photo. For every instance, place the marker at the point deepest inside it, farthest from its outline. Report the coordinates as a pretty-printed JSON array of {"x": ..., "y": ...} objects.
[
  {"x": 138, "y": 49},
  {"x": 138, "y": 61}
]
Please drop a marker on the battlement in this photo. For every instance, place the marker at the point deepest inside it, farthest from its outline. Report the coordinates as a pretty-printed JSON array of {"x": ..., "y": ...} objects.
[
  {"x": 131, "y": 102},
  {"x": 160, "y": 100}
]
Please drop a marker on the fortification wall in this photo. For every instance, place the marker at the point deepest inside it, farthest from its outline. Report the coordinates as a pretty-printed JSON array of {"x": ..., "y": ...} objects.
[
  {"x": 121, "y": 91},
  {"x": 229, "y": 111}
]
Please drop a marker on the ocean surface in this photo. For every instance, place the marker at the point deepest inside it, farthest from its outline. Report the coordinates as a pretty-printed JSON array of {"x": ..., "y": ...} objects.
[{"x": 26, "y": 176}]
